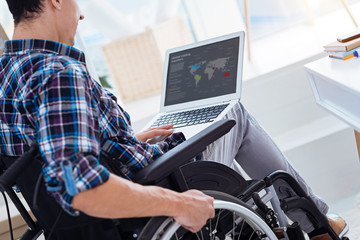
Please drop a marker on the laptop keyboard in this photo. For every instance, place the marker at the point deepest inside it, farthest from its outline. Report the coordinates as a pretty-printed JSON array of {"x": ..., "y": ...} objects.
[{"x": 192, "y": 117}]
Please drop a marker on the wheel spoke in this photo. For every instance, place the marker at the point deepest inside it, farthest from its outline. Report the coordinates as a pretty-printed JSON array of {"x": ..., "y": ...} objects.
[
  {"x": 217, "y": 220},
  {"x": 242, "y": 226},
  {"x": 212, "y": 237},
  {"x": 233, "y": 228},
  {"x": 202, "y": 236},
  {"x": 251, "y": 235}
]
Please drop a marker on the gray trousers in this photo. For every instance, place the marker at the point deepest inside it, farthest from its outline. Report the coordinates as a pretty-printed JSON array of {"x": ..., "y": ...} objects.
[{"x": 258, "y": 156}]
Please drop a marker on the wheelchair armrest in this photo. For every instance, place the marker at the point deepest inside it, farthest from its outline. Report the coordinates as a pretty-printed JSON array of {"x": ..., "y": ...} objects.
[{"x": 183, "y": 153}]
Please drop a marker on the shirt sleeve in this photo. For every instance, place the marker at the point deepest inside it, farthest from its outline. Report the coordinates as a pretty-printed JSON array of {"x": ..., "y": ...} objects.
[
  {"x": 123, "y": 152},
  {"x": 69, "y": 136},
  {"x": 128, "y": 155}
]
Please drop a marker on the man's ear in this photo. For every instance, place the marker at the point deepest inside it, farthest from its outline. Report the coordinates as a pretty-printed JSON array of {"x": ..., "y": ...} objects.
[{"x": 57, "y": 4}]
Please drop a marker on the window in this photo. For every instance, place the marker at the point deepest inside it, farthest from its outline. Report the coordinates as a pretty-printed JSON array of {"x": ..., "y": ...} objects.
[
  {"x": 273, "y": 24},
  {"x": 268, "y": 17}
]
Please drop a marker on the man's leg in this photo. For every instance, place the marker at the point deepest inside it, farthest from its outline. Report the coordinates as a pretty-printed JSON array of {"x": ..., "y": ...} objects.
[{"x": 258, "y": 155}]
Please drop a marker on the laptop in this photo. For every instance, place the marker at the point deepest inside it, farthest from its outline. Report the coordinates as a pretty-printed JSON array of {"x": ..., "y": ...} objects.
[{"x": 202, "y": 82}]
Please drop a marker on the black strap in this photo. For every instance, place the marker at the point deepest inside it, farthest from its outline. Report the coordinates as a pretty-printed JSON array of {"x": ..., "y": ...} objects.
[{"x": 9, "y": 216}]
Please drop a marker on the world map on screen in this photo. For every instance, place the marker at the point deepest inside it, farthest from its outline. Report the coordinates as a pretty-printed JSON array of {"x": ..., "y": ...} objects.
[{"x": 205, "y": 70}]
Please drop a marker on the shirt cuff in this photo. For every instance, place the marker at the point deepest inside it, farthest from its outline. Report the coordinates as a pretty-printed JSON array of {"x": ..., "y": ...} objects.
[{"x": 70, "y": 181}]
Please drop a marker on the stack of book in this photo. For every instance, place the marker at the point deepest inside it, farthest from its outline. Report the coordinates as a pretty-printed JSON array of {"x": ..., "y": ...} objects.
[{"x": 343, "y": 50}]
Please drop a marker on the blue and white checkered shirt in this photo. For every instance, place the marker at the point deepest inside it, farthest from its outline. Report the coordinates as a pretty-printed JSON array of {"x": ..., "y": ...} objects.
[{"x": 47, "y": 96}]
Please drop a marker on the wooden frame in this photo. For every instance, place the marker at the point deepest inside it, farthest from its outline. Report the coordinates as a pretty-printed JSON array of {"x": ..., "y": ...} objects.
[
  {"x": 3, "y": 37},
  {"x": 247, "y": 27},
  {"x": 345, "y": 5},
  {"x": 357, "y": 138}
]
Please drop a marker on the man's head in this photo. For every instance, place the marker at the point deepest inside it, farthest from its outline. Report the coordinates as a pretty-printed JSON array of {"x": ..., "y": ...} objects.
[
  {"x": 50, "y": 19},
  {"x": 24, "y": 9}
]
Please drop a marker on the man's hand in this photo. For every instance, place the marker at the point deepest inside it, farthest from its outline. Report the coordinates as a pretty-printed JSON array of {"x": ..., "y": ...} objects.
[
  {"x": 153, "y": 132},
  {"x": 121, "y": 198},
  {"x": 197, "y": 209}
]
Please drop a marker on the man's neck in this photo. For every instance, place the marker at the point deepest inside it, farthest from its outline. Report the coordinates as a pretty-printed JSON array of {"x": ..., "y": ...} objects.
[{"x": 35, "y": 29}]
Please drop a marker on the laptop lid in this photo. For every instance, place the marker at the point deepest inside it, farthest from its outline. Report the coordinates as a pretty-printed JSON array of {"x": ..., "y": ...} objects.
[{"x": 203, "y": 73}]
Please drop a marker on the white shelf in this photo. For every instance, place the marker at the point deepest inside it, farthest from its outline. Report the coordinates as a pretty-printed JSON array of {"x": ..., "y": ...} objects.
[{"x": 336, "y": 87}]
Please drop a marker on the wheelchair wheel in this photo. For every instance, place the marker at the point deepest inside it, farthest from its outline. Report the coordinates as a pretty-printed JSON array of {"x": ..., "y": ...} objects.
[{"x": 233, "y": 220}]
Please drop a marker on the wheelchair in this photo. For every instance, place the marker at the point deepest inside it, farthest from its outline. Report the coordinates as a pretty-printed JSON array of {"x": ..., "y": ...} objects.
[{"x": 245, "y": 209}]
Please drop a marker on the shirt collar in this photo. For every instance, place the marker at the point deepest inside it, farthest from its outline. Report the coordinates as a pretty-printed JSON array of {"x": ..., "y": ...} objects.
[{"x": 26, "y": 46}]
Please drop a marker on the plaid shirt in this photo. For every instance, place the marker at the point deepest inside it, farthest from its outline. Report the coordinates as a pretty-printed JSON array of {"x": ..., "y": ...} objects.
[{"x": 48, "y": 97}]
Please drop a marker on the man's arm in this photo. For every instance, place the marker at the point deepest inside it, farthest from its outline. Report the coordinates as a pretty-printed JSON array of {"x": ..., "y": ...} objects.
[
  {"x": 69, "y": 140},
  {"x": 120, "y": 198}
]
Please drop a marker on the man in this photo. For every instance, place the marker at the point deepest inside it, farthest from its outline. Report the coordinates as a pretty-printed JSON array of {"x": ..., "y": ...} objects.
[
  {"x": 123, "y": 198},
  {"x": 47, "y": 96}
]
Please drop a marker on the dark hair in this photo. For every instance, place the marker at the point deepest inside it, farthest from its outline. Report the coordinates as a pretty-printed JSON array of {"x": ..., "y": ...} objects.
[{"x": 24, "y": 9}]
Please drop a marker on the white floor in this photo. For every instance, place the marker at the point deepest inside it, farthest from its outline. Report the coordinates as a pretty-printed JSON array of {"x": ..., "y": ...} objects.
[{"x": 352, "y": 217}]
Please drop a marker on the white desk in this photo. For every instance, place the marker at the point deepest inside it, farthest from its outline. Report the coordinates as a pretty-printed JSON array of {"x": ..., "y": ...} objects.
[{"x": 336, "y": 87}]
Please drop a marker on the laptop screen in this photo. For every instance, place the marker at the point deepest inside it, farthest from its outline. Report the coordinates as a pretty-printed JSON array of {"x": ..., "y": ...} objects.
[{"x": 202, "y": 72}]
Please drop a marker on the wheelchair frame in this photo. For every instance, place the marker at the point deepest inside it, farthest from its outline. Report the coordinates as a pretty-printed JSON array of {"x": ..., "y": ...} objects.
[{"x": 178, "y": 171}]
